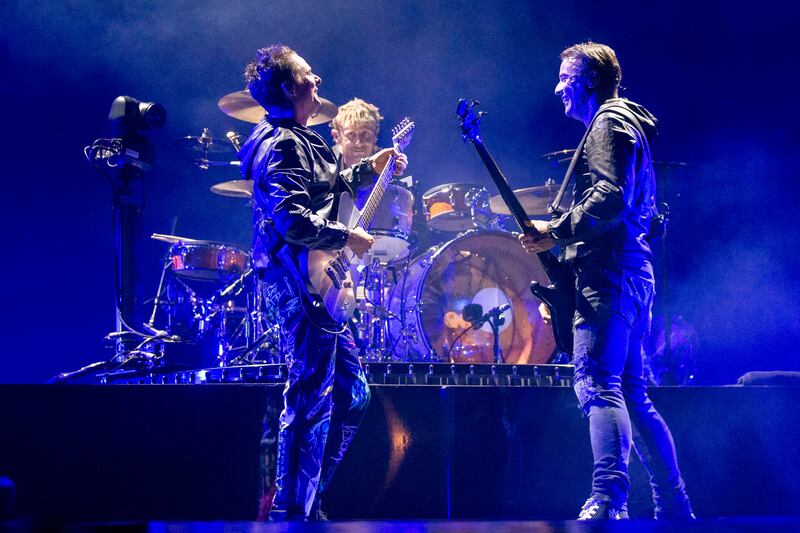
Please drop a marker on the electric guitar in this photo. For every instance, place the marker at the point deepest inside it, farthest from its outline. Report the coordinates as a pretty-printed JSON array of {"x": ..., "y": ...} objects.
[
  {"x": 559, "y": 296},
  {"x": 332, "y": 275}
]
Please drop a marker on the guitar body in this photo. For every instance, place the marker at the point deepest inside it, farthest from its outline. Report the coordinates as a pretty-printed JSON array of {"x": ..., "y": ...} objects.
[
  {"x": 559, "y": 296},
  {"x": 333, "y": 274}
]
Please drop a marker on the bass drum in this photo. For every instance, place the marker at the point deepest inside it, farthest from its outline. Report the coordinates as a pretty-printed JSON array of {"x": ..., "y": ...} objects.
[{"x": 489, "y": 268}]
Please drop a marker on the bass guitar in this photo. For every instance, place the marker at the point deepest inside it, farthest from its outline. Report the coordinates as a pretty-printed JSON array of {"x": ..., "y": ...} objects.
[
  {"x": 559, "y": 296},
  {"x": 332, "y": 275}
]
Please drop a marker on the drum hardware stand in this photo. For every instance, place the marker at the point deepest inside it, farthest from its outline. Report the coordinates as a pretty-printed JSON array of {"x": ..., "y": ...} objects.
[
  {"x": 373, "y": 322},
  {"x": 235, "y": 288},
  {"x": 258, "y": 335},
  {"x": 150, "y": 324}
]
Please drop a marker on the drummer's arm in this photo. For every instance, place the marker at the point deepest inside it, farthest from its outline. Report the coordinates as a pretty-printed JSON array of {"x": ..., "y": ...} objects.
[{"x": 366, "y": 169}]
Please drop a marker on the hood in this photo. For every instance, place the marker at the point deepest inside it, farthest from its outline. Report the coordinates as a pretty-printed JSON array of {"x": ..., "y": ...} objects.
[
  {"x": 250, "y": 147},
  {"x": 645, "y": 117}
]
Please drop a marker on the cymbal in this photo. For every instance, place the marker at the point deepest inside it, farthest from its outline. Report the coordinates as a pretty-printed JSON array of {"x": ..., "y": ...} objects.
[
  {"x": 234, "y": 188},
  {"x": 533, "y": 199},
  {"x": 202, "y": 145},
  {"x": 242, "y": 106},
  {"x": 559, "y": 154},
  {"x": 565, "y": 156}
]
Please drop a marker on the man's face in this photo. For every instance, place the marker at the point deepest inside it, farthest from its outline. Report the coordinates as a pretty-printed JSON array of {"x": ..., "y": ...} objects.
[
  {"x": 304, "y": 93},
  {"x": 574, "y": 90},
  {"x": 356, "y": 142}
]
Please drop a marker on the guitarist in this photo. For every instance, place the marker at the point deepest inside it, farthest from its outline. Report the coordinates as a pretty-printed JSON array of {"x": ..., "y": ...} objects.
[
  {"x": 603, "y": 235},
  {"x": 296, "y": 191}
]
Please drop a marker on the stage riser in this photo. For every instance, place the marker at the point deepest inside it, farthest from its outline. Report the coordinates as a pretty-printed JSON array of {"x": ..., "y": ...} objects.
[{"x": 190, "y": 452}]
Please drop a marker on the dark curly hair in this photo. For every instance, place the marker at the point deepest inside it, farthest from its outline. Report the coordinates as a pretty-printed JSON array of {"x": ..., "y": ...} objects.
[
  {"x": 601, "y": 60},
  {"x": 266, "y": 74}
]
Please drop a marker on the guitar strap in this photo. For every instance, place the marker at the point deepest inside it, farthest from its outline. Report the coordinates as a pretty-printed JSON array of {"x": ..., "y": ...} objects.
[{"x": 553, "y": 208}]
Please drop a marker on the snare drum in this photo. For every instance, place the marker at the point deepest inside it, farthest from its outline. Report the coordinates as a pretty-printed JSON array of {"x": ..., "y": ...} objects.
[
  {"x": 455, "y": 207},
  {"x": 207, "y": 260}
]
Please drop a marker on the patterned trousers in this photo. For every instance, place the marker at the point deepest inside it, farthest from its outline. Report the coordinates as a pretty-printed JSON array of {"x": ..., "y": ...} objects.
[{"x": 325, "y": 397}]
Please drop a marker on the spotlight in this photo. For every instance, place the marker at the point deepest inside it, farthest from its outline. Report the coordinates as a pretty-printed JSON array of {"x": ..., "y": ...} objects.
[
  {"x": 130, "y": 120},
  {"x": 131, "y": 114}
]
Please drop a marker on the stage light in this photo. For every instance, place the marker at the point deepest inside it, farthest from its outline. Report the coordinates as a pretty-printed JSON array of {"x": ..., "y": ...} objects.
[
  {"x": 130, "y": 121},
  {"x": 131, "y": 114}
]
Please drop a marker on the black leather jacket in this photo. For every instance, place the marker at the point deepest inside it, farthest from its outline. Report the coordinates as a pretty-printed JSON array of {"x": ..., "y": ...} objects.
[
  {"x": 614, "y": 201},
  {"x": 296, "y": 188}
]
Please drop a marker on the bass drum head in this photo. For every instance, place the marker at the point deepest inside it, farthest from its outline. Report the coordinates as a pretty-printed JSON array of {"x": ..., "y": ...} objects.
[{"x": 489, "y": 268}]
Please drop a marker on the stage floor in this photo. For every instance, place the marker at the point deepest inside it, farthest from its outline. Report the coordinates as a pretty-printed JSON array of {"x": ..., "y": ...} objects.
[{"x": 755, "y": 524}]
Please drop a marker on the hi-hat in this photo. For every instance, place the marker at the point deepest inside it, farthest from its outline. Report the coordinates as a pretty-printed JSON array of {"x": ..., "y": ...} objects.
[
  {"x": 204, "y": 144},
  {"x": 242, "y": 106},
  {"x": 234, "y": 188},
  {"x": 534, "y": 200}
]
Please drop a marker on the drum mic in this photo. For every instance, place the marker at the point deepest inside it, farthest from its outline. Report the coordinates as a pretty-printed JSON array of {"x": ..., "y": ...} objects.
[{"x": 473, "y": 313}]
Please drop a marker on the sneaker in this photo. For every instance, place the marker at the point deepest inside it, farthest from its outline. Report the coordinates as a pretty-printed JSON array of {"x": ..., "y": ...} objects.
[{"x": 598, "y": 509}]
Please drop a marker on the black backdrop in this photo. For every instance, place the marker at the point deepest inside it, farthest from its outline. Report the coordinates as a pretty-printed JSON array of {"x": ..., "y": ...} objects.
[{"x": 721, "y": 78}]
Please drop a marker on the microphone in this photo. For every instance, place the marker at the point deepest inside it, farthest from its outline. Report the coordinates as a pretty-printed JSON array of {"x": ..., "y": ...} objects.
[{"x": 473, "y": 313}]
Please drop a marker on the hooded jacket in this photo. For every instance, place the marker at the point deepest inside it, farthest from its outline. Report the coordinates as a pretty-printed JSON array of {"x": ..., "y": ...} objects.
[
  {"x": 614, "y": 193},
  {"x": 296, "y": 188}
]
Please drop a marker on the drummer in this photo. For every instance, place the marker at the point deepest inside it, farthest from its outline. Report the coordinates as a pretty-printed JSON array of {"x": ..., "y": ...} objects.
[{"x": 355, "y": 132}]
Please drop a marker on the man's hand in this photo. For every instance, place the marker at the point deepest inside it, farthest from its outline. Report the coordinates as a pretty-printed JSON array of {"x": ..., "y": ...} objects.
[
  {"x": 380, "y": 159},
  {"x": 539, "y": 240},
  {"x": 359, "y": 241}
]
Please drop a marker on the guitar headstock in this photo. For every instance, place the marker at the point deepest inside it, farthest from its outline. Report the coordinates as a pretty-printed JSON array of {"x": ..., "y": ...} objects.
[
  {"x": 402, "y": 133},
  {"x": 469, "y": 120}
]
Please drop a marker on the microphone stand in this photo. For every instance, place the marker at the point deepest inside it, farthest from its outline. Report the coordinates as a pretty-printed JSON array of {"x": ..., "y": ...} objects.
[{"x": 495, "y": 321}]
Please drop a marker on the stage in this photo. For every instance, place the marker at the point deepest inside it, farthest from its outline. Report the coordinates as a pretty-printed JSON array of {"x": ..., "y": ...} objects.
[{"x": 141, "y": 453}]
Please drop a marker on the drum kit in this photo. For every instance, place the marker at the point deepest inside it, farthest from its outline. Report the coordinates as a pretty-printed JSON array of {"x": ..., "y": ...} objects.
[{"x": 414, "y": 305}]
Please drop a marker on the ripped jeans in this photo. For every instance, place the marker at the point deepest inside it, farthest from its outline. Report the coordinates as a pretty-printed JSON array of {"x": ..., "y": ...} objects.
[
  {"x": 325, "y": 398},
  {"x": 612, "y": 315}
]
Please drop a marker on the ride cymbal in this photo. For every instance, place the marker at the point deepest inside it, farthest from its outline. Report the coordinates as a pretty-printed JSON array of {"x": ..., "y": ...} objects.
[
  {"x": 533, "y": 199},
  {"x": 242, "y": 106}
]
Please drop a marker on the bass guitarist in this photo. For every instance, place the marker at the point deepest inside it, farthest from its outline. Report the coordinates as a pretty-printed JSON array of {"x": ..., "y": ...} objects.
[
  {"x": 603, "y": 235},
  {"x": 296, "y": 193}
]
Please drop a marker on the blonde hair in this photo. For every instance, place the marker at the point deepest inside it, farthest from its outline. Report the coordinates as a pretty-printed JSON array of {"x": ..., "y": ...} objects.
[{"x": 357, "y": 112}]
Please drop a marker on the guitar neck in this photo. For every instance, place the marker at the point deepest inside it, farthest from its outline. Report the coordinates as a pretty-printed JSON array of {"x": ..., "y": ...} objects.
[
  {"x": 510, "y": 199},
  {"x": 374, "y": 200}
]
